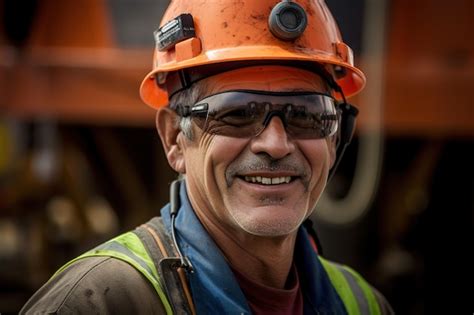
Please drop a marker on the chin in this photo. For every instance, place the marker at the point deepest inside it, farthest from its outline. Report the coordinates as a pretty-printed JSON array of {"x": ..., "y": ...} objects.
[{"x": 269, "y": 227}]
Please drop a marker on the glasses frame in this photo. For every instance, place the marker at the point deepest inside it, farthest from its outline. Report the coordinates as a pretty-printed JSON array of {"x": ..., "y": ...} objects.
[{"x": 281, "y": 110}]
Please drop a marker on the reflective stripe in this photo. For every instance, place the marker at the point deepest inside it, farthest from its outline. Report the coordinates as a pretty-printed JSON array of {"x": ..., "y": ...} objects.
[
  {"x": 128, "y": 248},
  {"x": 117, "y": 247},
  {"x": 342, "y": 287},
  {"x": 356, "y": 290},
  {"x": 368, "y": 292}
]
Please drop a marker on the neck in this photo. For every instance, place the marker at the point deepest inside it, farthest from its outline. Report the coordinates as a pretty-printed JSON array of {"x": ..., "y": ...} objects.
[{"x": 265, "y": 260}]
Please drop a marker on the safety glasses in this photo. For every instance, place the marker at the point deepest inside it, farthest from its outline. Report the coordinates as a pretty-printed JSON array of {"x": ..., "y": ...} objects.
[{"x": 243, "y": 114}]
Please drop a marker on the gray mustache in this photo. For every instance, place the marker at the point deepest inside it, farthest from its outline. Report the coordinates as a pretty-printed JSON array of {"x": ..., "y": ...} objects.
[
  {"x": 263, "y": 163},
  {"x": 273, "y": 166}
]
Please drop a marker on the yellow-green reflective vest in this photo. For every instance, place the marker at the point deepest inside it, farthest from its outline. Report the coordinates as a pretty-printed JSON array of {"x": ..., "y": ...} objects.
[{"x": 354, "y": 291}]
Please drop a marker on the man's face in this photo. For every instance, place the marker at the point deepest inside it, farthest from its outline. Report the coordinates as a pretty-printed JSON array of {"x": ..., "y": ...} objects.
[{"x": 265, "y": 185}]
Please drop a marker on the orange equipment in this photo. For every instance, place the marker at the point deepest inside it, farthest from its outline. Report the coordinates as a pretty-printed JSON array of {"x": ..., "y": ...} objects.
[{"x": 229, "y": 34}]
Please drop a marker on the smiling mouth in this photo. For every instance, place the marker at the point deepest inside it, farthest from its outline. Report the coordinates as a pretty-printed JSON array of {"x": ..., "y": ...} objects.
[{"x": 267, "y": 180}]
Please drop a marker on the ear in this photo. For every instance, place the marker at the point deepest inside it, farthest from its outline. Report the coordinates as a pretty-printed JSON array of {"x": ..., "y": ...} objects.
[{"x": 168, "y": 129}]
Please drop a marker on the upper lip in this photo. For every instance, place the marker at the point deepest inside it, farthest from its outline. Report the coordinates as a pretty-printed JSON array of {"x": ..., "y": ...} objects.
[
  {"x": 265, "y": 167},
  {"x": 269, "y": 174}
]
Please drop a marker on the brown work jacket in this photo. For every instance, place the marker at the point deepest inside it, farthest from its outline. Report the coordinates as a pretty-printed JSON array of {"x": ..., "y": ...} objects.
[{"x": 96, "y": 285}]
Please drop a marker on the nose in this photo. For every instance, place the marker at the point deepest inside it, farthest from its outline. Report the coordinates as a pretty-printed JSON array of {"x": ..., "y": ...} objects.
[{"x": 273, "y": 140}]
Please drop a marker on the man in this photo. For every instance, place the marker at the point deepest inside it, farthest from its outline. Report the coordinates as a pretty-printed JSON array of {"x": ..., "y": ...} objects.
[{"x": 247, "y": 113}]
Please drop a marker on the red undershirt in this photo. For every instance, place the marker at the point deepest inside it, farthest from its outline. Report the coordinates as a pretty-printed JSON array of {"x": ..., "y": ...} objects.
[{"x": 264, "y": 300}]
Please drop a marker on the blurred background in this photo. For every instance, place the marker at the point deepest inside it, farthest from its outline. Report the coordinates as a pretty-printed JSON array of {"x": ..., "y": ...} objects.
[{"x": 80, "y": 160}]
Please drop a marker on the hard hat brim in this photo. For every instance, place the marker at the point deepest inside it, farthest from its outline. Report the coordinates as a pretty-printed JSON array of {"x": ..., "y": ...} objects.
[{"x": 156, "y": 96}]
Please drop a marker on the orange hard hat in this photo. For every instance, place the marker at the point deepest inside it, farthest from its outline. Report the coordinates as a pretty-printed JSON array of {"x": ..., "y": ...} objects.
[{"x": 198, "y": 35}]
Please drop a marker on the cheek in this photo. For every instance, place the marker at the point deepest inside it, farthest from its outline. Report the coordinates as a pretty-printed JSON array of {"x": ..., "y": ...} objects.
[
  {"x": 217, "y": 153},
  {"x": 222, "y": 152},
  {"x": 195, "y": 155},
  {"x": 319, "y": 157},
  {"x": 317, "y": 153},
  {"x": 208, "y": 157}
]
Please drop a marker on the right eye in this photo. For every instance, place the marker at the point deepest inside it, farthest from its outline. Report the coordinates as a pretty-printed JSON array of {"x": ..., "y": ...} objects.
[{"x": 235, "y": 117}]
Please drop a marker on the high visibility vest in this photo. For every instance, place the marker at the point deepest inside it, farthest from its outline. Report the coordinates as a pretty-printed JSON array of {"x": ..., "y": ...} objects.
[{"x": 355, "y": 293}]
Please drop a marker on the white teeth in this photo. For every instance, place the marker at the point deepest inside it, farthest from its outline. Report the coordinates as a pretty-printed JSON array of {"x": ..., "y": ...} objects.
[{"x": 268, "y": 180}]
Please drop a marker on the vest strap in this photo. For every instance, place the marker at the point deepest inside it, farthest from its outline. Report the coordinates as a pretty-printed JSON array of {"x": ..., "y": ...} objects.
[{"x": 156, "y": 240}]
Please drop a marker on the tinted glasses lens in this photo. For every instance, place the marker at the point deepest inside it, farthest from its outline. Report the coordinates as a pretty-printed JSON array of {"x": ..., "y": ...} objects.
[{"x": 245, "y": 114}]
